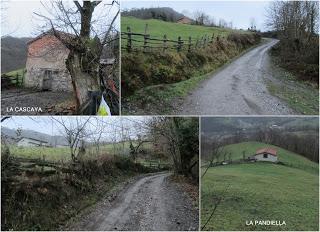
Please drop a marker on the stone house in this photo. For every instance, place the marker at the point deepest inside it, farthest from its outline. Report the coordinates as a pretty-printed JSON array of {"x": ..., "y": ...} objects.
[
  {"x": 184, "y": 20},
  {"x": 46, "y": 68},
  {"x": 266, "y": 154}
]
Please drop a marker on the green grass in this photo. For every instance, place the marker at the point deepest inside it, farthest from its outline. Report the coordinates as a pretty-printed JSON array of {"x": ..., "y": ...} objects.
[
  {"x": 63, "y": 153},
  {"x": 301, "y": 96},
  {"x": 260, "y": 191},
  {"x": 287, "y": 157},
  {"x": 159, "y": 98},
  {"x": 158, "y": 28},
  {"x": 15, "y": 72}
]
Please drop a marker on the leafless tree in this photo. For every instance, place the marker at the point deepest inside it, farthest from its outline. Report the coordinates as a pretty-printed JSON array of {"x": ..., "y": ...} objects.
[
  {"x": 85, "y": 35},
  {"x": 216, "y": 151},
  {"x": 201, "y": 18},
  {"x": 74, "y": 130},
  {"x": 253, "y": 24}
]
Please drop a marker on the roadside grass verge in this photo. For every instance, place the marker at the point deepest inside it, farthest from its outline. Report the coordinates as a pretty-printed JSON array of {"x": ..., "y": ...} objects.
[
  {"x": 301, "y": 96},
  {"x": 163, "y": 98},
  {"x": 260, "y": 191}
]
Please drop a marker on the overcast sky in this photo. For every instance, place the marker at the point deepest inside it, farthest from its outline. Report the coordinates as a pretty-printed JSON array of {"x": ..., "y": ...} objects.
[
  {"x": 47, "y": 125},
  {"x": 239, "y": 12},
  {"x": 18, "y": 18},
  {"x": 20, "y": 21}
]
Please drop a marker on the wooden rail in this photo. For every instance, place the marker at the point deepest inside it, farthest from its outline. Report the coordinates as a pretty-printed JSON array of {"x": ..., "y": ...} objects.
[{"x": 145, "y": 42}]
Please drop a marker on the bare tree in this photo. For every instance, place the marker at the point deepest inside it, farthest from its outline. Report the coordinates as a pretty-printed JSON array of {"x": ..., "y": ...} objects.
[
  {"x": 85, "y": 36},
  {"x": 253, "y": 24},
  {"x": 74, "y": 130}
]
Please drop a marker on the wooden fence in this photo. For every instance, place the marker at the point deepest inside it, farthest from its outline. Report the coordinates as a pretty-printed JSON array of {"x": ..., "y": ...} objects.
[
  {"x": 146, "y": 43},
  {"x": 8, "y": 81}
]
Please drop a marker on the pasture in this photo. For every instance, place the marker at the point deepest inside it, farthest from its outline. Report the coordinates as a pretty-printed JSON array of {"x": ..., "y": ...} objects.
[
  {"x": 287, "y": 157},
  {"x": 261, "y": 191},
  {"x": 158, "y": 28},
  {"x": 63, "y": 153}
]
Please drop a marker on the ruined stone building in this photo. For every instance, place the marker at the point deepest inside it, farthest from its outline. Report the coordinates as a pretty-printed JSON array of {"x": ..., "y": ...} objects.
[
  {"x": 46, "y": 68},
  {"x": 46, "y": 63}
]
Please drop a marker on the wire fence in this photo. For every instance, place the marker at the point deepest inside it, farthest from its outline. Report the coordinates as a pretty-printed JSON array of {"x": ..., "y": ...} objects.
[{"x": 146, "y": 42}]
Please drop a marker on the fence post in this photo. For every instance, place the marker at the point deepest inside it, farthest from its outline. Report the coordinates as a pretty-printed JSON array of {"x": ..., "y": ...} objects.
[
  {"x": 204, "y": 41},
  {"x": 165, "y": 43},
  {"x": 189, "y": 45},
  {"x": 129, "y": 42},
  {"x": 17, "y": 79},
  {"x": 179, "y": 44},
  {"x": 145, "y": 38}
]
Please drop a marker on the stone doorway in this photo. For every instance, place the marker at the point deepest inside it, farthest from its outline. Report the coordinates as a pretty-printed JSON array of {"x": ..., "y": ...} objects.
[{"x": 47, "y": 80}]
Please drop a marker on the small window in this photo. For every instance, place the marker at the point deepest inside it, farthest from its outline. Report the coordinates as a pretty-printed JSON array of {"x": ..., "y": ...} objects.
[{"x": 265, "y": 155}]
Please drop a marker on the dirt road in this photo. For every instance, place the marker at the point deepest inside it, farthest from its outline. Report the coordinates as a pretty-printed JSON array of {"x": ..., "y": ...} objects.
[
  {"x": 149, "y": 203},
  {"x": 238, "y": 89},
  {"x": 15, "y": 101}
]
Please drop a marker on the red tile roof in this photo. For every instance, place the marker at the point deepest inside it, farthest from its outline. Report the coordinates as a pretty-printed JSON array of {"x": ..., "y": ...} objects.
[{"x": 268, "y": 150}]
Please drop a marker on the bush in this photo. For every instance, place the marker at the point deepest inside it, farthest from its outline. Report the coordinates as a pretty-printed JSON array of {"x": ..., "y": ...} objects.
[{"x": 140, "y": 70}]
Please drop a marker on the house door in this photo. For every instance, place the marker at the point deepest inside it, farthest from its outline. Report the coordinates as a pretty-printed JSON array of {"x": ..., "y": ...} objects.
[{"x": 47, "y": 80}]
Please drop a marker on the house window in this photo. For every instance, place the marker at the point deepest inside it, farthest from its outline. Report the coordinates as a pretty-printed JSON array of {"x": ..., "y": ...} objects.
[{"x": 265, "y": 155}]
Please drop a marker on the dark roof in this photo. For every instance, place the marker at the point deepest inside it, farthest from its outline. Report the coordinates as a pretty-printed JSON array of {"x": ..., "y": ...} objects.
[{"x": 268, "y": 150}]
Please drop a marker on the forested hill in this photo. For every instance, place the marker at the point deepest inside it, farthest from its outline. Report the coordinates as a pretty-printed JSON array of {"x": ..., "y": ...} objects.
[
  {"x": 161, "y": 13},
  {"x": 13, "y": 53}
]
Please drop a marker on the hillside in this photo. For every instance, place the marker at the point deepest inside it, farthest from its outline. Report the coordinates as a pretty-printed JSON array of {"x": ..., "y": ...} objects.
[
  {"x": 262, "y": 191},
  {"x": 13, "y": 53},
  {"x": 287, "y": 157},
  {"x": 158, "y": 28},
  {"x": 161, "y": 13},
  {"x": 234, "y": 124}
]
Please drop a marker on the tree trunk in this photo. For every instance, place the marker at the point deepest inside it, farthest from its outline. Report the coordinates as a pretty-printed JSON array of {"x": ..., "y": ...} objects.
[{"x": 82, "y": 82}]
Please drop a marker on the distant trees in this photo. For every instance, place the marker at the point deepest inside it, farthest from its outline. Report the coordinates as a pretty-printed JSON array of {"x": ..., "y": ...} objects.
[
  {"x": 297, "y": 25},
  {"x": 253, "y": 24},
  {"x": 161, "y": 13}
]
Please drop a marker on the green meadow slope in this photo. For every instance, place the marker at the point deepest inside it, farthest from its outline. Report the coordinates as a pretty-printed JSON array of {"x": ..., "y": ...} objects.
[
  {"x": 262, "y": 191},
  {"x": 287, "y": 157},
  {"x": 158, "y": 28}
]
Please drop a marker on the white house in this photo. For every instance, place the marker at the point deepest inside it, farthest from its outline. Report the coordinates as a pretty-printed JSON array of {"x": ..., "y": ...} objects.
[
  {"x": 31, "y": 142},
  {"x": 266, "y": 154}
]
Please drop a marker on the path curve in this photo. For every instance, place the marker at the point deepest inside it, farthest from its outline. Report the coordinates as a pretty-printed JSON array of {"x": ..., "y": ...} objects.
[{"x": 238, "y": 89}]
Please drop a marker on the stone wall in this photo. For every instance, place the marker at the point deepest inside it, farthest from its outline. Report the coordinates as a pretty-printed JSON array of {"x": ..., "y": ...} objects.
[{"x": 47, "y": 54}]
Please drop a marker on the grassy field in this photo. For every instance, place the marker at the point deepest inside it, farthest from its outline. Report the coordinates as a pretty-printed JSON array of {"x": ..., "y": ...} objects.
[
  {"x": 261, "y": 191},
  {"x": 158, "y": 28},
  {"x": 287, "y": 157},
  {"x": 15, "y": 72},
  {"x": 301, "y": 96},
  {"x": 63, "y": 153}
]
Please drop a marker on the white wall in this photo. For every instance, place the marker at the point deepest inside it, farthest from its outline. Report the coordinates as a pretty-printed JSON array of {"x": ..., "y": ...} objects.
[
  {"x": 270, "y": 158},
  {"x": 25, "y": 142}
]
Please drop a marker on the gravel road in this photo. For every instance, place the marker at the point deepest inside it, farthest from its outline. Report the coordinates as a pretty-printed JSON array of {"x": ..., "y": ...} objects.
[
  {"x": 238, "y": 89},
  {"x": 148, "y": 204},
  {"x": 16, "y": 99}
]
